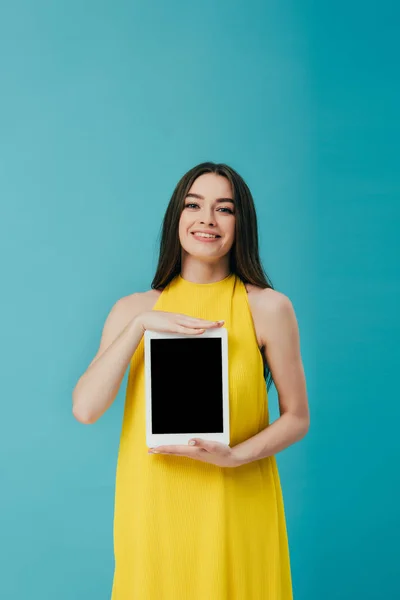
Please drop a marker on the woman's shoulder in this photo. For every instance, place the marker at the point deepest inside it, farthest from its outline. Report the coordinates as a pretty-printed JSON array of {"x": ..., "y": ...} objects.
[
  {"x": 265, "y": 298},
  {"x": 265, "y": 304},
  {"x": 136, "y": 302},
  {"x": 122, "y": 312}
]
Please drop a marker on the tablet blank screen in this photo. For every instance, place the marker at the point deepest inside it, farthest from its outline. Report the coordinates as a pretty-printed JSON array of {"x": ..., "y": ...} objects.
[{"x": 186, "y": 385}]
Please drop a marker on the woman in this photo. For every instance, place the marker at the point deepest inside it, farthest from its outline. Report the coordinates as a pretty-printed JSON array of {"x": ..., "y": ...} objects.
[{"x": 203, "y": 521}]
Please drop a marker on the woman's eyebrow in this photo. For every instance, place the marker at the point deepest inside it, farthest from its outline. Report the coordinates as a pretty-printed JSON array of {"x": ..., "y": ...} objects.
[{"x": 191, "y": 195}]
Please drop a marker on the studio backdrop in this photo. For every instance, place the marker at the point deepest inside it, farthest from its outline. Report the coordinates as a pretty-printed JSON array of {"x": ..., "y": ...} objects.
[{"x": 103, "y": 107}]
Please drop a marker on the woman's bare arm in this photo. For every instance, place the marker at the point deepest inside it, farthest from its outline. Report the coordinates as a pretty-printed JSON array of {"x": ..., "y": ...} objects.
[
  {"x": 282, "y": 350},
  {"x": 124, "y": 327},
  {"x": 98, "y": 387}
]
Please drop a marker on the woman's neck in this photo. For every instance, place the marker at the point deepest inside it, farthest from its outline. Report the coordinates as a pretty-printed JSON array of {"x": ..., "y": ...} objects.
[{"x": 202, "y": 272}]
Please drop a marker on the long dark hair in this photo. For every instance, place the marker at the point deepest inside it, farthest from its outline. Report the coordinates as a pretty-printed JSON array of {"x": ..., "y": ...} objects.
[{"x": 244, "y": 254}]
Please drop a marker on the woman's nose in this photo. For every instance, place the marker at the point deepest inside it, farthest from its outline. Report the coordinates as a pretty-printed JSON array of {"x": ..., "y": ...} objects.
[{"x": 208, "y": 218}]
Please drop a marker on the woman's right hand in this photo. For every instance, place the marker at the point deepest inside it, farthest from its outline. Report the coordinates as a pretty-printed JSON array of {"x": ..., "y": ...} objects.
[{"x": 171, "y": 322}]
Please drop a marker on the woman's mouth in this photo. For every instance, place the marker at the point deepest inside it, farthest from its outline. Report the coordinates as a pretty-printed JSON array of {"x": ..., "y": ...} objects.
[{"x": 205, "y": 237}]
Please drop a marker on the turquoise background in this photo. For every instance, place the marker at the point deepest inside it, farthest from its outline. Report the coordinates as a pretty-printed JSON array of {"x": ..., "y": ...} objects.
[{"x": 103, "y": 107}]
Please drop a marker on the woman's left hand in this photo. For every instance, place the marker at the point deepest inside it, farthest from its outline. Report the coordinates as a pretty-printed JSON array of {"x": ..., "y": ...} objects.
[{"x": 214, "y": 453}]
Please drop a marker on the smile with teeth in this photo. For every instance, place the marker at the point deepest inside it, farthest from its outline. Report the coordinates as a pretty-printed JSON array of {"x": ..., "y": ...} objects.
[{"x": 205, "y": 235}]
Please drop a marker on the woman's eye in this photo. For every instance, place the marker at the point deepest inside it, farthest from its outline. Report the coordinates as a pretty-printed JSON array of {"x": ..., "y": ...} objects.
[{"x": 223, "y": 208}]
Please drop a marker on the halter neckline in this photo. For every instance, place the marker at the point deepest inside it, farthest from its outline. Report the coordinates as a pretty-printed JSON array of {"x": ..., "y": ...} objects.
[{"x": 205, "y": 285}]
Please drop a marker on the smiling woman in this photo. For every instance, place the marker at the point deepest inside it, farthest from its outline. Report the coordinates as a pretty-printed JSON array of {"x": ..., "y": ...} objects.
[
  {"x": 204, "y": 520},
  {"x": 212, "y": 198}
]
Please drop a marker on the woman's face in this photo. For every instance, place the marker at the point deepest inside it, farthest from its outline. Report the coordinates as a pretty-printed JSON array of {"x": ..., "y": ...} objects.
[{"x": 207, "y": 209}]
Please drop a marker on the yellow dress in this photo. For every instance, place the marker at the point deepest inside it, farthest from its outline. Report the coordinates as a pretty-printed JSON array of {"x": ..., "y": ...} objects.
[{"x": 189, "y": 530}]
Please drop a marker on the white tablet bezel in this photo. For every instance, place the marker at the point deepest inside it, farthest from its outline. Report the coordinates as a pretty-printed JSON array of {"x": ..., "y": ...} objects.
[{"x": 156, "y": 439}]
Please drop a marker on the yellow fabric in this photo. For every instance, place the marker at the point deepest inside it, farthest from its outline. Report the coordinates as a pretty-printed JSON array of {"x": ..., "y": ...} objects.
[{"x": 188, "y": 530}]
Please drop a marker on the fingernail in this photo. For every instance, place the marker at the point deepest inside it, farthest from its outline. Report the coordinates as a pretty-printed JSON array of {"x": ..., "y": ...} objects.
[
  {"x": 192, "y": 442},
  {"x": 221, "y": 321}
]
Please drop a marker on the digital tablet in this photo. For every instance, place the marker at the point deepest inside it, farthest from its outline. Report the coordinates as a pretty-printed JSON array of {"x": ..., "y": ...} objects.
[{"x": 186, "y": 386}]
